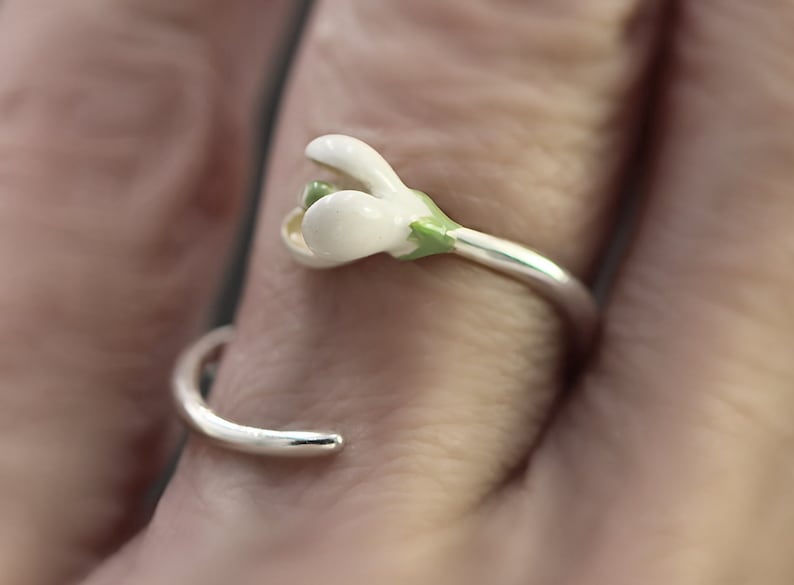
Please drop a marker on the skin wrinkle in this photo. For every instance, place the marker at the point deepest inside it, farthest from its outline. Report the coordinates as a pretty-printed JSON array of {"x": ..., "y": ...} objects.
[
  {"x": 342, "y": 406},
  {"x": 90, "y": 141},
  {"x": 452, "y": 147},
  {"x": 450, "y": 64},
  {"x": 76, "y": 234},
  {"x": 184, "y": 106},
  {"x": 737, "y": 364}
]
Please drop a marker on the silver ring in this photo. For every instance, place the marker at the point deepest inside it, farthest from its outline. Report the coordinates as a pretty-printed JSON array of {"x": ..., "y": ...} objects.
[{"x": 333, "y": 226}]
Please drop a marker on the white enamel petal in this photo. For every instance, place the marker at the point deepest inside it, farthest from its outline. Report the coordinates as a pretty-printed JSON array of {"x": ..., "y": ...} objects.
[
  {"x": 348, "y": 225},
  {"x": 358, "y": 160},
  {"x": 292, "y": 237}
]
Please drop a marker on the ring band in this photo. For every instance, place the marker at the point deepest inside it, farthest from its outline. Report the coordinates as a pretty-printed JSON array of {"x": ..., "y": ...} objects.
[
  {"x": 553, "y": 282},
  {"x": 193, "y": 409},
  {"x": 334, "y": 226}
]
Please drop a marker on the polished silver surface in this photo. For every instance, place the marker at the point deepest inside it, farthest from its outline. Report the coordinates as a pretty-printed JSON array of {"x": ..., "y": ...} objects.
[
  {"x": 558, "y": 286},
  {"x": 200, "y": 417}
]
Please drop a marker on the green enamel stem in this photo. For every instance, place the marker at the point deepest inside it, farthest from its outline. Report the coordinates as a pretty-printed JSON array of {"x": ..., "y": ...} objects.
[
  {"x": 436, "y": 213},
  {"x": 430, "y": 233},
  {"x": 430, "y": 237}
]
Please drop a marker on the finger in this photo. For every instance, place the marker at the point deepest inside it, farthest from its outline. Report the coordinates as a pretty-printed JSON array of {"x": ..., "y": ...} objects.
[
  {"x": 439, "y": 372},
  {"x": 690, "y": 406},
  {"x": 124, "y": 138}
]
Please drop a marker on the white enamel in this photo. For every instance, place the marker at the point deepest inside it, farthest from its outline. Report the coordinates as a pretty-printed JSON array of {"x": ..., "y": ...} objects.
[
  {"x": 356, "y": 159},
  {"x": 292, "y": 237},
  {"x": 348, "y": 225}
]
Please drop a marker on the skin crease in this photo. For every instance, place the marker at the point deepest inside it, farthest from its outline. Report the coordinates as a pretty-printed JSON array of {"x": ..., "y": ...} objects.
[{"x": 669, "y": 461}]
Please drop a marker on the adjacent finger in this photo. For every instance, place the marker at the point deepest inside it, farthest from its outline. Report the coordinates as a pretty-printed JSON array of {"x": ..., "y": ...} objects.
[
  {"x": 689, "y": 413},
  {"x": 124, "y": 139}
]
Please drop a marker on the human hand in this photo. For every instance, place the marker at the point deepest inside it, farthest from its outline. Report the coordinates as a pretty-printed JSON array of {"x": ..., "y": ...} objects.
[{"x": 124, "y": 136}]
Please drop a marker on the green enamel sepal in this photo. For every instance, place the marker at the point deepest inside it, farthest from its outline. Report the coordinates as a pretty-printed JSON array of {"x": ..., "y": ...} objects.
[
  {"x": 430, "y": 237},
  {"x": 430, "y": 233},
  {"x": 314, "y": 191}
]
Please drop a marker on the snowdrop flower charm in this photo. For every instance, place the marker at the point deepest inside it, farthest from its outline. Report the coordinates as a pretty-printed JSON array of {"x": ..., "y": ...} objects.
[{"x": 334, "y": 226}]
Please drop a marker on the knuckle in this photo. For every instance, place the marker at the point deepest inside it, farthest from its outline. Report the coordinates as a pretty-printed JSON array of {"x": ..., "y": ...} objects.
[
  {"x": 120, "y": 169},
  {"x": 113, "y": 115}
]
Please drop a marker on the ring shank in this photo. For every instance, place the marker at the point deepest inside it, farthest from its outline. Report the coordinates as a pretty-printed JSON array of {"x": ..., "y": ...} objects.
[
  {"x": 553, "y": 282},
  {"x": 197, "y": 414}
]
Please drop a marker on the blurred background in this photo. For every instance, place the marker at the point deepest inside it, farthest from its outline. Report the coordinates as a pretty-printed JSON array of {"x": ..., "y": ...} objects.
[{"x": 274, "y": 87}]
